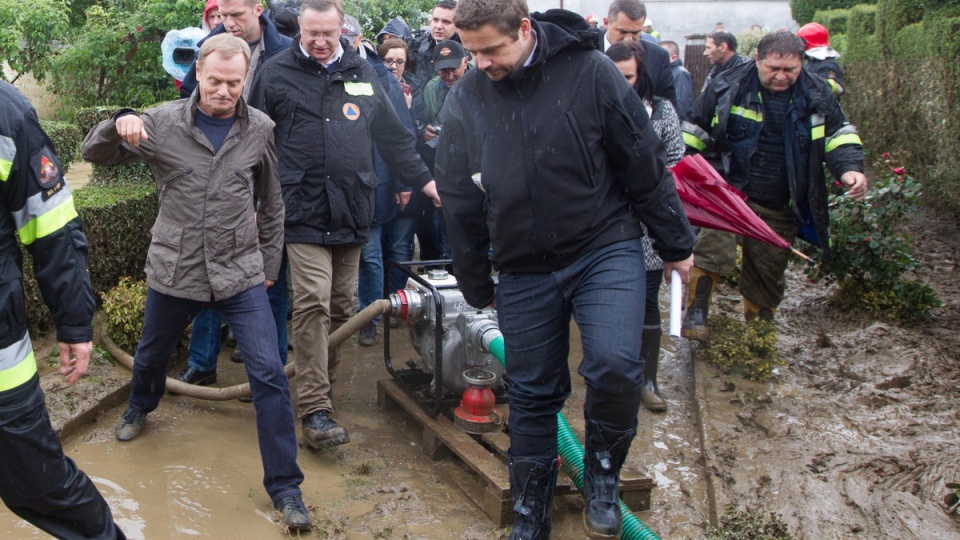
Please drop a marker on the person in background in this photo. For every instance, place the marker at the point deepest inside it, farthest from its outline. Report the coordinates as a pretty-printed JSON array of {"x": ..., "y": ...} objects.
[
  {"x": 648, "y": 29},
  {"x": 629, "y": 59},
  {"x": 211, "y": 16},
  {"x": 441, "y": 28},
  {"x": 682, "y": 79},
  {"x": 39, "y": 483},
  {"x": 546, "y": 119},
  {"x": 820, "y": 58},
  {"x": 721, "y": 50},
  {"x": 399, "y": 232},
  {"x": 719, "y": 27},
  {"x": 217, "y": 241},
  {"x": 624, "y": 22},
  {"x": 593, "y": 20}
]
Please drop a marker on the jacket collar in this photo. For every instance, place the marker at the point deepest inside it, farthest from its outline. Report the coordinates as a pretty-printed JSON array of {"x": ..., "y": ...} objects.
[
  {"x": 348, "y": 61},
  {"x": 190, "y": 111}
]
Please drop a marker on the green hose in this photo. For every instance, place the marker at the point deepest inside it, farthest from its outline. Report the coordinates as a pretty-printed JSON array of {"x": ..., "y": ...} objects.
[{"x": 571, "y": 459}]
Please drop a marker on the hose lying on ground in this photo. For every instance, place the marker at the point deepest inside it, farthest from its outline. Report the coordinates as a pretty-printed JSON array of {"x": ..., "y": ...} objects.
[
  {"x": 352, "y": 326},
  {"x": 571, "y": 457}
]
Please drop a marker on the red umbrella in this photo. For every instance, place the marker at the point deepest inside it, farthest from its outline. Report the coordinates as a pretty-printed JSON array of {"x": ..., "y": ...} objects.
[{"x": 711, "y": 202}]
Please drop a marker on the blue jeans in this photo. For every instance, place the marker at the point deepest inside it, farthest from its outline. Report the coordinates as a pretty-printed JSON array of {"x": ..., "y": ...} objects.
[
  {"x": 370, "y": 275},
  {"x": 248, "y": 314},
  {"x": 397, "y": 239},
  {"x": 205, "y": 336},
  {"x": 604, "y": 292}
]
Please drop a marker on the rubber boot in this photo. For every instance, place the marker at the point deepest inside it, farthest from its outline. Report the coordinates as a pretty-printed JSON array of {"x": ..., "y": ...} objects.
[
  {"x": 531, "y": 484},
  {"x": 699, "y": 292},
  {"x": 605, "y": 452},
  {"x": 650, "y": 352},
  {"x": 751, "y": 311}
]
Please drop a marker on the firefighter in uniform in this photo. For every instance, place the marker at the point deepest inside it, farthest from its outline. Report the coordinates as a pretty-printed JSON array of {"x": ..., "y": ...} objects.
[{"x": 37, "y": 482}]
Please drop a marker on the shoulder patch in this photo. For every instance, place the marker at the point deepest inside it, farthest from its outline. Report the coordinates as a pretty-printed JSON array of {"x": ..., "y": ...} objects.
[{"x": 45, "y": 167}]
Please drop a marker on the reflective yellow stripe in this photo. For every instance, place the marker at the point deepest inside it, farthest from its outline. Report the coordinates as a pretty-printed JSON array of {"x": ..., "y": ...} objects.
[
  {"x": 840, "y": 140},
  {"x": 48, "y": 223},
  {"x": 818, "y": 132},
  {"x": 8, "y": 150},
  {"x": 715, "y": 121},
  {"x": 746, "y": 113},
  {"x": 18, "y": 374},
  {"x": 692, "y": 141}
]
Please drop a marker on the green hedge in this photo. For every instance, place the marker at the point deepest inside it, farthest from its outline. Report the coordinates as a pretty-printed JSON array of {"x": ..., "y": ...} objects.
[
  {"x": 912, "y": 41},
  {"x": 804, "y": 11},
  {"x": 894, "y": 15},
  {"x": 835, "y": 21},
  {"x": 87, "y": 118},
  {"x": 66, "y": 141},
  {"x": 117, "y": 222},
  {"x": 861, "y": 39}
]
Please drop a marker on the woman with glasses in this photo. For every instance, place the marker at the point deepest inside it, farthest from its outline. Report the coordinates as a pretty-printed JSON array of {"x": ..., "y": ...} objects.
[{"x": 395, "y": 55}]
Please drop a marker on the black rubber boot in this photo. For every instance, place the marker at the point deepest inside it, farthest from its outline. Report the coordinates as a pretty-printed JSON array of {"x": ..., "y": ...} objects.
[
  {"x": 650, "y": 352},
  {"x": 531, "y": 484},
  {"x": 699, "y": 293},
  {"x": 605, "y": 452}
]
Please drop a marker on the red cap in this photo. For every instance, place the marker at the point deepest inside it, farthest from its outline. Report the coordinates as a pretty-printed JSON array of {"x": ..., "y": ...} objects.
[
  {"x": 592, "y": 18},
  {"x": 815, "y": 35}
]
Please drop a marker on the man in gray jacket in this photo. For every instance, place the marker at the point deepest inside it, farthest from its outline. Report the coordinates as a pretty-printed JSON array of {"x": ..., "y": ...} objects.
[{"x": 216, "y": 243}]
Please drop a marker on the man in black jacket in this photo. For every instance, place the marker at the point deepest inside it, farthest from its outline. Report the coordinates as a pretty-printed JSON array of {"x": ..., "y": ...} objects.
[
  {"x": 624, "y": 21},
  {"x": 721, "y": 51},
  {"x": 441, "y": 28},
  {"x": 330, "y": 109},
  {"x": 768, "y": 127},
  {"x": 246, "y": 20},
  {"x": 547, "y": 156},
  {"x": 39, "y": 483}
]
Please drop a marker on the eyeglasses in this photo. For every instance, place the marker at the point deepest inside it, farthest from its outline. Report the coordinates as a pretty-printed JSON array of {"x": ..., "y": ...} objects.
[
  {"x": 333, "y": 35},
  {"x": 398, "y": 63}
]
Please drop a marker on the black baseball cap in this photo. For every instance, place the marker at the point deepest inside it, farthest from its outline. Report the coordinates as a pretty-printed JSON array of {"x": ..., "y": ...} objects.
[{"x": 448, "y": 54}]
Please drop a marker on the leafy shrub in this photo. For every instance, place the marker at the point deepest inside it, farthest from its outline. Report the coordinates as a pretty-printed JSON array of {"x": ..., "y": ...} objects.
[
  {"x": 745, "y": 349},
  {"x": 750, "y": 524},
  {"x": 804, "y": 10},
  {"x": 872, "y": 253},
  {"x": 892, "y": 15},
  {"x": 117, "y": 224},
  {"x": 29, "y": 33},
  {"x": 66, "y": 141},
  {"x": 747, "y": 42},
  {"x": 834, "y": 20},
  {"x": 125, "y": 306}
]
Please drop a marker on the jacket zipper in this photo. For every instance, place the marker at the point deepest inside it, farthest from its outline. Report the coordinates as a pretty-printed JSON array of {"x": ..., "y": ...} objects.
[{"x": 174, "y": 180}]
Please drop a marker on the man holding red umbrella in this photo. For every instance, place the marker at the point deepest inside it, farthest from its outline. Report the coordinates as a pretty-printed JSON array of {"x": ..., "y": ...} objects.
[{"x": 768, "y": 127}]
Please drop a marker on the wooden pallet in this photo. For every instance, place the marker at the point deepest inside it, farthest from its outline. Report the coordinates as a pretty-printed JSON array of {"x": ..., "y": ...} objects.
[{"x": 489, "y": 484}]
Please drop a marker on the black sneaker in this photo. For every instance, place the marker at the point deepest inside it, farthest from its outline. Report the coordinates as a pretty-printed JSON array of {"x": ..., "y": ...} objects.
[
  {"x": 295, "y": 516},
  {"x": 236, "y": 357},
  {"x": 320, "y": 431},
  {"x": 130, "y": 425},
  {"x": 199, "y": 378},
  {"x": 368, "y": 335}
]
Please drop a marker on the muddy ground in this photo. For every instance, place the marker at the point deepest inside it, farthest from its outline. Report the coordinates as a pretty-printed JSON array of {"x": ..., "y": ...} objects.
[{"x": 860, "y": 434}]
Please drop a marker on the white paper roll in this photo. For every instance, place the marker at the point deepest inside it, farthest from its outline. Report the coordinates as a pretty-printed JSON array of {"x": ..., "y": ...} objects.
[{"x": 676, "y": 303}]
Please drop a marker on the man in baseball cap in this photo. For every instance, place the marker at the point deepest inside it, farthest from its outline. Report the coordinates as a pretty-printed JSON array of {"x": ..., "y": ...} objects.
[{"x": 450, "y": 61}]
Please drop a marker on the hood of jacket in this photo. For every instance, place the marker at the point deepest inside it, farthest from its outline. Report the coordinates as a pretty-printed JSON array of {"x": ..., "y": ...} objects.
[{"x": 397, "y": 27}]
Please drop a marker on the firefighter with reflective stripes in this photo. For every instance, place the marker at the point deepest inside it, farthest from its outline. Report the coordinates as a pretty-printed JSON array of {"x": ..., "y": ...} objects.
[
  {"x": 37, "y": 482},
  {"x": 768, "y": 127}
]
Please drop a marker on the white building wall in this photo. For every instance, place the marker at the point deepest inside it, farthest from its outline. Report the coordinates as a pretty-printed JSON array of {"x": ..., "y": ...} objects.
[{"x": 676, "y": 19}]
